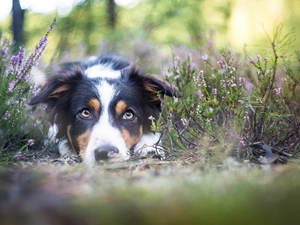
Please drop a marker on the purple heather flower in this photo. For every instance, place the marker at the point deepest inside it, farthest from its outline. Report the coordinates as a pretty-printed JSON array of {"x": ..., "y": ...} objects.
[
  {"x": 14, "y": 59},
  {"x": 175, "y": 100},
  {"x": 176, "y": 59},
  {"x": 220, "y": 63},
  {"x": 29, "y": 63},
  {"x": 200, "y": 94},
  {"x": 16, "y": 62},
  {"x": 18, "y": 156},
  {"x": 196, "y": 80},
  {"x": 204, "y": 58},
  {"x": 7, "y": 114},
  {"x": 15, "y": 103},
  {"x": 12, "y": 86},
  {"x": 184, "y": 122},
  {"x": 5, "y": 47},
  {"x": 250, "y": 60},
  {"x": 208, "y": 120},
  {"x": 27, "y": 77},
  {"x": 9, "y": 69},
  {"x": 151, "y": 117},
  {"x": 202, "y": 80},
  {"x": 258, "y": 57},
  {"x": 215, "y": 91},
  {"x": 18, "y": 58},
  {"x": 241, "y": 80},
  {"x": 42, "y": 42},
  {"x": 201, "y": 75},
  {"x": 167, "y": 74},
  {"x": 39, "y": 55},
  {"x": 35, "y": 89},
  {"x": 277, "y": 91},
  {"x": 31, "y": 142}
]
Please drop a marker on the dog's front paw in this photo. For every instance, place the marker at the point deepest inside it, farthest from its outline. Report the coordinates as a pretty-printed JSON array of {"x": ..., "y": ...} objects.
[
  {"x": 148, "y": 146},
  {"x": 153, "y": 151}
]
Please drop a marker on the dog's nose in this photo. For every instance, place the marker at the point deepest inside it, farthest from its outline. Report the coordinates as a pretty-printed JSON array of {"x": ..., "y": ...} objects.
[{"x": 105, "y": 152}]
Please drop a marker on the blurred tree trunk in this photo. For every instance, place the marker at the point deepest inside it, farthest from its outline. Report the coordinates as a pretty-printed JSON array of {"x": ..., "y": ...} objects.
[
  {"x": 18, "y": 22},
  {"x": 111, "y": 10}
]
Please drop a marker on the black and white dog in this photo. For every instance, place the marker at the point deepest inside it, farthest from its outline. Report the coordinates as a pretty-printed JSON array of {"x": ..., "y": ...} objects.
[{"x": 102, "y": 108}]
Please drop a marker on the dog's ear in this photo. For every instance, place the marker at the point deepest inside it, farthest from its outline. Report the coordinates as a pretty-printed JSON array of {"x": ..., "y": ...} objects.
[
  {"x": 154, "y": 86},
  {"x": 158, "y": 88},
  {"x": 56, "y": 86},
  {"x": 56, "y": 90}
]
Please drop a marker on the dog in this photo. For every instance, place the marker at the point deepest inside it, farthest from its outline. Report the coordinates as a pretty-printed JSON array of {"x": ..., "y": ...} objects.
[{"x": 102, "y": 108}]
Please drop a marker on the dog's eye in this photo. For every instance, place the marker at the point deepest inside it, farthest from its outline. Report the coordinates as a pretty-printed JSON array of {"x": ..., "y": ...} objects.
[
  {"x": 85, "y": 113},
  {"x": 128, "y": 115}
]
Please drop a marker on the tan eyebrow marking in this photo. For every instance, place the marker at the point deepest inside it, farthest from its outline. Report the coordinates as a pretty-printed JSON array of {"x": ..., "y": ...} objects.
[
  {"x": 121, "y": 106},
  {"x": 94, "y": 104}
]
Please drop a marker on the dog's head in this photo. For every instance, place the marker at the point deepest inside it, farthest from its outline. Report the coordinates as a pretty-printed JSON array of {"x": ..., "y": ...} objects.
[{"x": 103, "y": 108}]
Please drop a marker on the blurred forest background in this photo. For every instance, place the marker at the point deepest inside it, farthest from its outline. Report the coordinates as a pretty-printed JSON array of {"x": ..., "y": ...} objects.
[{"x": 148, "y": 31}]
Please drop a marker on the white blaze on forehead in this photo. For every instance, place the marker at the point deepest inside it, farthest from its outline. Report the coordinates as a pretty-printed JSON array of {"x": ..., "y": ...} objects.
[
  {"x": 103, "y": 132},
  {"x": 106, "y": 92},
  {"x": 102, "y": 71}
]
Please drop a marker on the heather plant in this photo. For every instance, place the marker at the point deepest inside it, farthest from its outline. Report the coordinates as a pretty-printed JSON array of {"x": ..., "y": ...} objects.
[
  {"x": 16, "y": 89},
  {"x": 247, "y": 108},
  {"x": 213, "y": 106}
]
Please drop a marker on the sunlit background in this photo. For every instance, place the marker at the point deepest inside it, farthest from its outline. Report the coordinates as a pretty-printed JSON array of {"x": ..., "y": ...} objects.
[
  {"x": 236, "y": 23},
  {"x": 63, "y": 7}
]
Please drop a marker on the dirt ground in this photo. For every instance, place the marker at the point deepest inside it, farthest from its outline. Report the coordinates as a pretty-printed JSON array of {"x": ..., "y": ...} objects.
[{"x": 150, "y": 192}]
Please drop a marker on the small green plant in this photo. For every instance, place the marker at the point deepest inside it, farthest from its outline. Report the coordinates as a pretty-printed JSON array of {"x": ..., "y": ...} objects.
[
  {"x": 16, "y": 89},
  {"x": 274, "y": 117}
]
